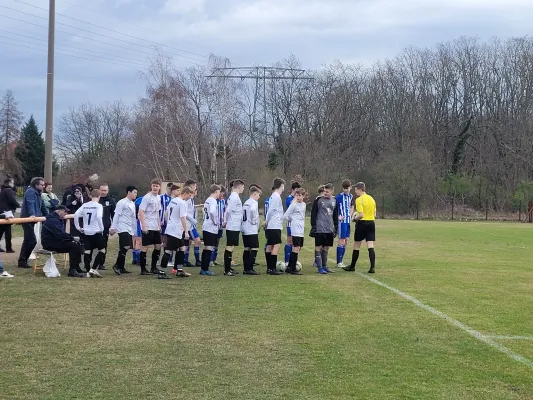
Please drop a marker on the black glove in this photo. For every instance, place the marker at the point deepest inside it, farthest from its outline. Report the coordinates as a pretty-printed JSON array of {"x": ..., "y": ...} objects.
[{"x": 312, "y": 232}]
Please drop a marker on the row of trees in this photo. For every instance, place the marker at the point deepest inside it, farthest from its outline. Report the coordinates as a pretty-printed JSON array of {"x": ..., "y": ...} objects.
[
  {"x": 21, "y": 146},
  {"x": 431, "y": 125}
]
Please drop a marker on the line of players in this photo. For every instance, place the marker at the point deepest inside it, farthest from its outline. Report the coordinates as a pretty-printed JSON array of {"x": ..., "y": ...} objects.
[{"x": 170, "y": 220}]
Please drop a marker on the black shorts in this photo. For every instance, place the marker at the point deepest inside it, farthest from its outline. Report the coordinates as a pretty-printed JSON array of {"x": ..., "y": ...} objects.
[
  {"x": 210, "y": 239},
  {"x": 125, "y": 240},
  {"x": 174, "y": 243},
  {"x": 365, "y": 230},
  {"x": 273, "y": 236},
  {"x": 297, "y": 241},
  {"x": 324, "y": 239},
  {"x": 92, "y": 242},
  {"x": 250, "y": 241},
  {"x": 232, "y": 238},
  {"x": 151, "y": 238}
]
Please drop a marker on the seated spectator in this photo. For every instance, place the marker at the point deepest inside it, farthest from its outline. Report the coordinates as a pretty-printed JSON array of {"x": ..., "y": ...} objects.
[{"x": 54, "y": 238}]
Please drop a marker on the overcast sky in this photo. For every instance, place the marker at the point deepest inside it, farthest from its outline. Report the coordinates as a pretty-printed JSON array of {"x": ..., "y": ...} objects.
[{"x": 249, "y": 32}]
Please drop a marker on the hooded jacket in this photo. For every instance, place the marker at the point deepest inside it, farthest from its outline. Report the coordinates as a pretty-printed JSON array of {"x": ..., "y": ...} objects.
[{"x": 8, "y": 200}]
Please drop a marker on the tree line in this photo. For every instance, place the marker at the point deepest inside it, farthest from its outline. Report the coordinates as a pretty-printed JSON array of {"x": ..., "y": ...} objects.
[{"x": 424, "y": 129}]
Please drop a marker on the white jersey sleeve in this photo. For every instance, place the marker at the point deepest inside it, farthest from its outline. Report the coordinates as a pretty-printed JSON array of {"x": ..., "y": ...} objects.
[
  {"x": 124, "y": 219},
  {"x": 274, "y": 216}
]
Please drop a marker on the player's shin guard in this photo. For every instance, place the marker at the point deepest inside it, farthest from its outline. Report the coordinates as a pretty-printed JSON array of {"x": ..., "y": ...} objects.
[
  {"x": 267, "y": 258},
  {"x": 340, "y": 253},
  {"x": 206, "y": 257},
  {"x": 166, "y": 258},
  {"x": 99, "y": 259},
  {"x": 197, "y": 253},
  {"x": 355, "y": 256},
  {"x": 214, "y": 254},
  {"x": 288, "y": 251},
  {"x": 87, "y": 257},
  {"x": 292, "y": 261},
  {"x": 155, "y": 258},
  {"x": 121, "y": 258},
  {"x": 318, "y": 259},
  {"x": 186, "y": 255},
  {"x": 179, "y": 260},
  {"x": 372, "y": 257},
  {"x": 324, "y": 256},
  {"x": 228, "y": 256}
]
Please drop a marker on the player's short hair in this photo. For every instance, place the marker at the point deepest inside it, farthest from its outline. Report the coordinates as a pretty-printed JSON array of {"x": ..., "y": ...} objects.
[
  {"x": 300, "y": 191},
  {"x": 36, "y": 180},
  {"x": 95, "y": 193},
  {"x": 360, "y": 186},
  {"x": 213, "y": 188},
  {"x": 295, "y": 185},
  {"x": 104, "y": 184},
  {"x": 7, "y": 181},
  {"x": 190, "y": 182},
  {"x": 155, "y": 181},
  {"x": 346, "y": 184},
  {"x": 329, "y": 186},
  {"x": 278, "y": 182},
  {"x": 169, "y": 185},
  {"x": 130, "y": 189},
  {"x": 236, "y": 183},
  {"x": 174, "y": 187},
  {"x": 255, "y": 189},
  {"x": 187, "y": 190},
  {"x": 222, "y": 189},
  {"x": 320, "y": 189}
]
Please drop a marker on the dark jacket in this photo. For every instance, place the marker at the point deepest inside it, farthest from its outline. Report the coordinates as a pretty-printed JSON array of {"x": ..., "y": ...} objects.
[
  {"x": 32, "y": 204},
  {"x": 53, "y": 232},
  {"x": 71, "y": 199},
  {"x": 8, "y": 200},
  {"x": 109, "y": 204},
  {"x": 85, "y": 190}
]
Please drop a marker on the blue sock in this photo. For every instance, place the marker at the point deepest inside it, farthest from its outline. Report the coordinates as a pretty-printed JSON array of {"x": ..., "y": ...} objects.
[
  {"x": 288, "y": 251},
  {"x": 197, "y": 253},
  {"x": 136, "y": 256},
  {"x": 186, "y": 259},
  {"x": 340, "y": 253},
  {"x": 214, "y": 254}
]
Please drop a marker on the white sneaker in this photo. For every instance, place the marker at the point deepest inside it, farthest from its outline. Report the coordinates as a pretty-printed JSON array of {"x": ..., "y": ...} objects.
[
  {"x": 94, "y": 273},
  {"x": 211, "y": 264},
  {"x": 340, "y": 265},
  {"x": 6, "y": 274}
]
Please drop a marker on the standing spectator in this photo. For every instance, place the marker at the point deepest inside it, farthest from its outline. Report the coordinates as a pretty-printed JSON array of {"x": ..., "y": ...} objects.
[
  {"x": 8, "y": 202},
  {"x": 109, "y": 204},
  {"x": 32, "y": 206},
  {"x": 50, "y": 199},
  {"x": 86, "y": 188}
]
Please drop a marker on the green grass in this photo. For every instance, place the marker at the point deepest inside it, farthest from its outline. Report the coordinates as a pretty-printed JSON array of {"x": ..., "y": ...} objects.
[{"x": 310, "y": 337}]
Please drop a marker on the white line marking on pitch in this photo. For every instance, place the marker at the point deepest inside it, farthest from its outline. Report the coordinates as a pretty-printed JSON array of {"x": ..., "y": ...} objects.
[
  {"x": 502, "y": 337},
  {"x": 471, "y": 331}
]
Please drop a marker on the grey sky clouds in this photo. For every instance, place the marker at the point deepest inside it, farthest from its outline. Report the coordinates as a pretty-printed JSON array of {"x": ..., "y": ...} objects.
[{"x": 247, "y": 31}]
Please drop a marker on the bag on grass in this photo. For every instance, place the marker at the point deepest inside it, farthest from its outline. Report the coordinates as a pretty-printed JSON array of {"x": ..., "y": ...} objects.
[{"x": 50, "y": 269}]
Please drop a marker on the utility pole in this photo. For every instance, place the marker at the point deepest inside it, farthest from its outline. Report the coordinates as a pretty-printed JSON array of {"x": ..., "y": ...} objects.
[
  {"x": 261, "y": 75},
  {"x": 49, "y": 134}
]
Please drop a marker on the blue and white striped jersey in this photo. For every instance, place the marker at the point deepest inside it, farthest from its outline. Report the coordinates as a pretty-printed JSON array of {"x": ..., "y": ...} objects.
[
  {"x": 165, "y": 201},
  {"x": 344, "y": 204},
  {"x": 221, "y": 206}
]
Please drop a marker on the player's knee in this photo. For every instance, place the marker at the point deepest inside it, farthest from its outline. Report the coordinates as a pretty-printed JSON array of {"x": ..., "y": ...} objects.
[
  {"x": 88, "y": 252},
  {"x": 101, "y": 251},
  {"x": 255, "y": 249},
  {"x": 169, "y": 252},
  {"x": 208, "y": 248},
  {"x": 230, "y": 248}
]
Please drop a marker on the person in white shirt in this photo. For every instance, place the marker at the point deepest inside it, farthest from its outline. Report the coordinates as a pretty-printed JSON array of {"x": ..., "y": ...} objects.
[
  {"x": 92, "y": 213},
  {"x": 124, "y": 223},
  {"x": 295, "y": 214},
  {"x": 192, "y": 222},
  {"x": 150, "y": 222},
  {"x": 177, "y": 232},
  {"x": 232, "y": 223},
  {"x": 250, "y": 230},
  {"x": 273, "y": 225},
  {"x": 210, "y": 228}
]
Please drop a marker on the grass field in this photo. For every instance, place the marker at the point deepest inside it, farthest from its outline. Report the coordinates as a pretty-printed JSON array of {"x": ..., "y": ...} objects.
[{"x": 340, "y": 336}]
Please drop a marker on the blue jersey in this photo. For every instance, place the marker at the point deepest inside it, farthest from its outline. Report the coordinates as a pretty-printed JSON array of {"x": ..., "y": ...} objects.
[
  {"x": 288, "y": 202},
  {"x": 165, "y": 201},
  {"x": 137, "y": 205},
  {"x": 344, "y": 204},
  {"x": 267, "y": 202},
  {"x": 221, "y": 208}
]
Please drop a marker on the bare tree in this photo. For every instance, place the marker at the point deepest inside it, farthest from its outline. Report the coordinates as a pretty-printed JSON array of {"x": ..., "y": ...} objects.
[{"x": 10, "y": 121}]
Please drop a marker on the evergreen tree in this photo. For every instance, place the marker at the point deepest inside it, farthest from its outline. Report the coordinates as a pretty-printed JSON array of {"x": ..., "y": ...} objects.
[{"x": 30, "y": 151}]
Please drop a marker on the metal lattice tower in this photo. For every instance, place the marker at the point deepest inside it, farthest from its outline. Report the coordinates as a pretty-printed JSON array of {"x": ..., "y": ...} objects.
[{"x": 261, "y": 75}]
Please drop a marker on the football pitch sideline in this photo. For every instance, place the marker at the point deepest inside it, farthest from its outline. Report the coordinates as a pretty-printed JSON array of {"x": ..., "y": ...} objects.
[{"x": 446, "y": 316}]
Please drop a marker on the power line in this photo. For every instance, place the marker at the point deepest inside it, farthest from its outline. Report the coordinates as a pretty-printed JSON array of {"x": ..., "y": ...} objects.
[
  {"x": 95, "y": 33},
  {"x": 114, "y": 31},
  {"x": 74, "y": 48},
  {"x": 92, "y": 39},
  {"x": 70, "y": 55}
]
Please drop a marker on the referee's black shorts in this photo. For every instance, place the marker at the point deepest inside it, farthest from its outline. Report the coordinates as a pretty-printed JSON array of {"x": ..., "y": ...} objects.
[{"x": 365, "y": 230}]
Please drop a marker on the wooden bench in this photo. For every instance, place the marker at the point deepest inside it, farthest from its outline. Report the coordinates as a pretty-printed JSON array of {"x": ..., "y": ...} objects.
[{"x": 39, "y": 267}]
